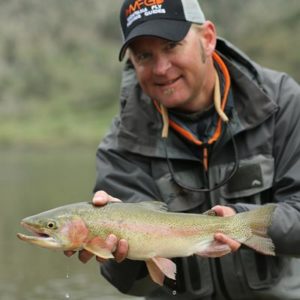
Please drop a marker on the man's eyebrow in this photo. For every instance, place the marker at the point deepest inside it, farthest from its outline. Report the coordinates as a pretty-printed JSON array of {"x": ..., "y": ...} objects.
[
  {"x": 135, "y": 51},
  {"x": 139, "y": 50}
]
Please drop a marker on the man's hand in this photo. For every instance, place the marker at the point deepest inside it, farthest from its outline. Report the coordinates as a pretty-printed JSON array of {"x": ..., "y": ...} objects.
[
  {"x": 118, "y": 248},
  {"x": 225, "y": 211}
]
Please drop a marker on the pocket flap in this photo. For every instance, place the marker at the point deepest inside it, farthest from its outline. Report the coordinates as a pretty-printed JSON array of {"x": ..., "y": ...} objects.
[{"x": 253, "y": 176}]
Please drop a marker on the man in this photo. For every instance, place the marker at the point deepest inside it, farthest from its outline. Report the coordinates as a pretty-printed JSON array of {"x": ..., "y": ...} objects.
[{"x": 202, "y": 126}]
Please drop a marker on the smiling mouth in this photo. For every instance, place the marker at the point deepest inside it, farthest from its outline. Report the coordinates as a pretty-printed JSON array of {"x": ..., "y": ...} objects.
[{"x": 168, "y": 83}]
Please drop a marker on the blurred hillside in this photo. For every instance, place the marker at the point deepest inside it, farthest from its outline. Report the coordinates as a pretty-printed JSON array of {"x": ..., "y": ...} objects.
[{"x": 59, "y": 72}]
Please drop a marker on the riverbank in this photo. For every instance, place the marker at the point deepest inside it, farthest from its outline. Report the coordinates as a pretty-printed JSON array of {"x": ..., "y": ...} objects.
[{"x": 50, "y": 128}]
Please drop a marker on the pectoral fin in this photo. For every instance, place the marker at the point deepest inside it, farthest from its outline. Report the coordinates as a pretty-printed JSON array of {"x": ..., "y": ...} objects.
[
  {"x": 160, "y": 267},
  {"x": 98, "y": 247}
]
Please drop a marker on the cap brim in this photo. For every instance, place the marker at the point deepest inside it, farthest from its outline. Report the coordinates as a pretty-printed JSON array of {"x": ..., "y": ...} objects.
[{"x": 166, "y": 29}]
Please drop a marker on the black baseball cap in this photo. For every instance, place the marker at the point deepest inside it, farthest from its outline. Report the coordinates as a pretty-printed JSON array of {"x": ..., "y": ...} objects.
[{"x": 167, "y": 19}]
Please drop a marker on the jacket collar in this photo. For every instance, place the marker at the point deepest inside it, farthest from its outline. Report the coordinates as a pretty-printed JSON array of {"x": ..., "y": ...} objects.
[{"x": 253, "y": 106}]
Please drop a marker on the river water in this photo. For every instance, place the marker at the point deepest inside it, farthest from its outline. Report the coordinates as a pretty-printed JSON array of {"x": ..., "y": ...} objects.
[{"x": 32, "y": 181}]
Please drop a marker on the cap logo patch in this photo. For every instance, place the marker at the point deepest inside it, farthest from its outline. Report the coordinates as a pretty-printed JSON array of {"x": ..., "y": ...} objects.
[{"x": 143, "y": 8}]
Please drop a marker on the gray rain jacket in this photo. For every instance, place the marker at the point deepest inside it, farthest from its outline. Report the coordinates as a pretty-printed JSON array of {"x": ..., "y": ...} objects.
[{"x": 265, "y": 123}]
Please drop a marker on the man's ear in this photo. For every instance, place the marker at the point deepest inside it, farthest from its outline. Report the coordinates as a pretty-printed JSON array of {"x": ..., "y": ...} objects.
[{"x": 208, "y": 38}]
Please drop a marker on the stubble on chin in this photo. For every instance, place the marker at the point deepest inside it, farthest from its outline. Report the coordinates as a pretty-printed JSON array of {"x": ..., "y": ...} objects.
[{"x": 169, "y": 92}]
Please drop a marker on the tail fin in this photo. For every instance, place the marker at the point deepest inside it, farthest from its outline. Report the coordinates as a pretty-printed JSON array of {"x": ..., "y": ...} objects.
[{"x": 259, "y": 221}]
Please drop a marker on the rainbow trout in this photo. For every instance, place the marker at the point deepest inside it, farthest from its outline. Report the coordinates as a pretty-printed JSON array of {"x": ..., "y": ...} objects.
[{"x": 153, "y": 234}]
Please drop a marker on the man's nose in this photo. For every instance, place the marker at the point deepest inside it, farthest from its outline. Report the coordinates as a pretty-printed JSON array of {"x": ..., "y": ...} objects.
[{"x": 161, "y": 65}]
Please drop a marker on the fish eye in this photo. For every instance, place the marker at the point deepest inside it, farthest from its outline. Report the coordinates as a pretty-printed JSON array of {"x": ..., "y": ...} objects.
[{"x": 51, "y": 225}]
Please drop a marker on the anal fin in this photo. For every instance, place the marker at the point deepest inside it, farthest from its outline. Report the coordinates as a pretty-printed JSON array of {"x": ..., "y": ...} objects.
[{"x": 160, "y": 267}]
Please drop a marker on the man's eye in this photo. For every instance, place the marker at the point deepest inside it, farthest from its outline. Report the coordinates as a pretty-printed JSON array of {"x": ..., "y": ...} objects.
[
  {"x": 142, "y": 56},
  {"x": 172, "y": 45}
]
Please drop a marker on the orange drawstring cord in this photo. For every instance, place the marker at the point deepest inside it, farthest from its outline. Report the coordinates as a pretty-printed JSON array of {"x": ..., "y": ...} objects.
[{"x": 219, "y": 106}]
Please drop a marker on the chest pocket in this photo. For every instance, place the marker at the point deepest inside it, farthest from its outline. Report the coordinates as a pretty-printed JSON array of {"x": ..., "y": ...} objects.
[
  {"x": 253, "y": 177},
  {"x": 178, "y": 199}
]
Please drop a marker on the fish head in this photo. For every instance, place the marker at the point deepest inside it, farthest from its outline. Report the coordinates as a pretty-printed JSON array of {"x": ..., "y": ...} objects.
[{"x": 55, "y": 230}]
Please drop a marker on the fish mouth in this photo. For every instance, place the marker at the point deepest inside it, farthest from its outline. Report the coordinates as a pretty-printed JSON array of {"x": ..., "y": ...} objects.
[{"x": 39, "y": 237}]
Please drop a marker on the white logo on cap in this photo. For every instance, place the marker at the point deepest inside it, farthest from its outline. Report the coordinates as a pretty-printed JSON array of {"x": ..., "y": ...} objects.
[{"x": 145, "y": 12}]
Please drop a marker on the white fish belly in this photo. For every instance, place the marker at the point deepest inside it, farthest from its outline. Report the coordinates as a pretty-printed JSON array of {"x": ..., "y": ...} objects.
[{"x": 167, "y": 247}]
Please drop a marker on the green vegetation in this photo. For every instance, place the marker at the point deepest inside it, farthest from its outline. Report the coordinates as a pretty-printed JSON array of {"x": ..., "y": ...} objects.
[
  {"x": 58, "y": 69},
  {"x": 59, "y": 72}
]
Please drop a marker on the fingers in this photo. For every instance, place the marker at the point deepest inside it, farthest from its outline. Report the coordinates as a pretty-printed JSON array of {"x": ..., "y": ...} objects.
[
  {"x": 122, "y": 250},
  {"x": 118, "y": 248},
  {"x": 223, "y": 211},
  {"x": 111, "y": 243},
  {"x": 84, "y": 256},
  {"x": 224, "y": 239},
  {"x": 69, "y": 253},
  {"x": 101, "y": 198}
]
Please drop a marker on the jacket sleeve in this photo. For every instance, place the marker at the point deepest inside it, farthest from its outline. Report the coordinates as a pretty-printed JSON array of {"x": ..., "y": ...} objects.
[
  {"x": 285, "y": 229},
  {"x": 128, "y": 177},
  {"x": 122, "y": 174}
]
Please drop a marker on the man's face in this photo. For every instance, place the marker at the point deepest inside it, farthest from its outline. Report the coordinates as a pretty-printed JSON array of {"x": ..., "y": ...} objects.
[{"x": 173, "y": 73}]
